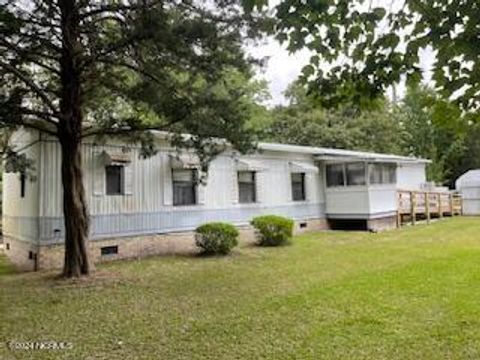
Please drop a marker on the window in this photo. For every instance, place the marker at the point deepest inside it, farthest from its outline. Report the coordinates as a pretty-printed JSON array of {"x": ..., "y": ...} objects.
[
  {"x": 353, "y": 174},
  {"x": 298, "y": 186},
  {"x": 184, "y": 186},
  {"x": 109, "y": 250},
  {"x": 382, "y": 173},
  {"x": 335, "y": 175},
  {"x": 246, "y": 187},
  {"x": 23, "y": 184},
  {"x": 114, "y": 174},
  {"x": 375, "y": 173},
  {"x": 356, "y": 174},
  {"x": 389, "y": 173}
]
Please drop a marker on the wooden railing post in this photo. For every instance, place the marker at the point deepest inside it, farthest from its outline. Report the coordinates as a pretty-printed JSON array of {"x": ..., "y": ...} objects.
[
  {"x": 440, "y": 211},
  {"x": 413, "y": 207},
  {"x": 427, "y": 206},
  {"x": 399, "y": 209},
  {"x": 450, "y": 197}
]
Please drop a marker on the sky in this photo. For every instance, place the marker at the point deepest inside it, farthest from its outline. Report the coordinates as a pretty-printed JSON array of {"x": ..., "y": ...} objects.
[{"x": 283, "y": 68}]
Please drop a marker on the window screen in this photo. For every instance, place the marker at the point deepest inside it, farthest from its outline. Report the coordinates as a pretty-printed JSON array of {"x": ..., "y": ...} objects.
[
  {"x": 375, "y": 171},
  {"x": 382, "y": 173},
  {"x": 355, "y": 174},
  {"x": 335, "y": 175},
  {"x": 389, "y": 173},
  {"x": 114, "y": 175},
  {"x": 184, "y": 186},
  {"x": 298, "y": 186},
  {"x": 246, "y": 187}
]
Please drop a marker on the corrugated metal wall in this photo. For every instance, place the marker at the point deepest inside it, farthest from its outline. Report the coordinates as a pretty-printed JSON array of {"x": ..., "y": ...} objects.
[
  {"x": 410, "y": 176},
  {"x": 20, "y": 214},
  {"x": 145, "y": 210}
]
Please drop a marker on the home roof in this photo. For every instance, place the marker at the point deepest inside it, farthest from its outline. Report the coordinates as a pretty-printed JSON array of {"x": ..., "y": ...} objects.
[
  {"x": 321, "y": 153},
  {"x": 328, "y": 154}
]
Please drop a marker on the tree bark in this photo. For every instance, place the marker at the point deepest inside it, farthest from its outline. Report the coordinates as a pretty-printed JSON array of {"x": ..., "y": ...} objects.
[{"x": 75, "y": 211}]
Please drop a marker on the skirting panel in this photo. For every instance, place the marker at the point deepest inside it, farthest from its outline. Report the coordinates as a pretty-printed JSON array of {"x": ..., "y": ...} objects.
[
  {"x": 116, "y": 225},
  {"x": 361, "y": 216},
  {"x": 21, "y": 227}
]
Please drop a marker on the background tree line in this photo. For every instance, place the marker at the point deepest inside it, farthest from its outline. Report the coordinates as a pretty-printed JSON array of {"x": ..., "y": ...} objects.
[{"x": 422, "y": 124}]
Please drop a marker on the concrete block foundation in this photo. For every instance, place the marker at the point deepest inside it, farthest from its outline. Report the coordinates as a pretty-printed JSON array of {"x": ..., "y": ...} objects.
[{"x": 31, "y": 257}]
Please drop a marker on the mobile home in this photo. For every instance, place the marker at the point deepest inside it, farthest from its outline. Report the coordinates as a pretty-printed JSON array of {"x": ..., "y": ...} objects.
[{"x": 141, "y": 207}]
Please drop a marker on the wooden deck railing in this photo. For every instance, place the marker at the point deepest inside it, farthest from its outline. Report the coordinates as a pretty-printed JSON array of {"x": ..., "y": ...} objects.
[{"x": 422, "y": 204}]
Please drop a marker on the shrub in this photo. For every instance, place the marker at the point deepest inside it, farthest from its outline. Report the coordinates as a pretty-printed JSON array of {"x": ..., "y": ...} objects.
[
  {"x": 273, "y": 230},
  {"x": 216, "y": 238}
]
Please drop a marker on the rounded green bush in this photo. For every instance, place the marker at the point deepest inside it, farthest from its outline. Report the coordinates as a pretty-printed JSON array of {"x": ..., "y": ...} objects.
[
  {"x": 216, "y": 238},
  {"x": 273, "y": 230}
]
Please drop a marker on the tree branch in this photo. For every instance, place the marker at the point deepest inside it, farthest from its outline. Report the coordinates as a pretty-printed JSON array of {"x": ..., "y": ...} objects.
[
  {"x": 27, "y": 54},
  {"x": 41, "y": 114},
  {"x": 117, "y": 7},
  {"x": 132, "y": 67},
  {"x": 40, "y": 93},
  {"x": 129, "y": 130},
  {"x": 114, "y": 47}
]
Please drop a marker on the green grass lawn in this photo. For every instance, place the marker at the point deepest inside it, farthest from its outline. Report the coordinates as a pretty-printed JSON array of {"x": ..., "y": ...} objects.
[{"x": 407, "y": 294}]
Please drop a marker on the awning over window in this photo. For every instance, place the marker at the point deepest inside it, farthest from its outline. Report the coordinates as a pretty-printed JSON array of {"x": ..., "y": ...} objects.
[
  {"x": 300, "y": 167},
  {"x": 112, "y": 158},
  {"x": 184, "y": 161},
  {"x": 249, "y": 165}
]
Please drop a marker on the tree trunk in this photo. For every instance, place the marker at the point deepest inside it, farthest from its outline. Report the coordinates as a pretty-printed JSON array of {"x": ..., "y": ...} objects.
[{"x": 75, "y": 211}]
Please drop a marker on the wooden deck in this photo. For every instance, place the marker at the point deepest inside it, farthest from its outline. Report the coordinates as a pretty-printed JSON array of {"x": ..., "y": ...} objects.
[{"x": 421, "y": 205}]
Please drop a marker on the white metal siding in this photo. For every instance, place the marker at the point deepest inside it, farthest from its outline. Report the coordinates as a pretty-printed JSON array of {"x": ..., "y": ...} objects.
[
  {"x": 410, "y": 176},
  {"x": 20, "y": 214},
  {"x": 382, "y": 199},
  {"x": 149, "y": 182},
  {"x": 347, "y": 200},
  {"x": 149, "y": 209}
]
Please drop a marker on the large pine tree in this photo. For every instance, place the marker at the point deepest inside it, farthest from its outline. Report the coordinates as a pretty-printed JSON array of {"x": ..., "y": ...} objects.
[{"x": 79, "y": 68}]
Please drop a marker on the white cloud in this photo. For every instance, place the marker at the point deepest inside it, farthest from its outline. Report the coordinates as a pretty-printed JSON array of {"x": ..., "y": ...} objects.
[{"x": 282, "y": 68}]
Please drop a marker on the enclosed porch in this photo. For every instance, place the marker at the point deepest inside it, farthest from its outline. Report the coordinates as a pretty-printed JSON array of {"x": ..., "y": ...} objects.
[{"x": 361, "y": 194}]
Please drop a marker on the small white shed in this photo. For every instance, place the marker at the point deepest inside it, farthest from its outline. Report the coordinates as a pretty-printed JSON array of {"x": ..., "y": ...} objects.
[{"x": 469, "y": 186}]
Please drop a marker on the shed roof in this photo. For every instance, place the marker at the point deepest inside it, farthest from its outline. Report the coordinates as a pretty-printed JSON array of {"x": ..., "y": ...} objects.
[{"x": 470, "y": 179}]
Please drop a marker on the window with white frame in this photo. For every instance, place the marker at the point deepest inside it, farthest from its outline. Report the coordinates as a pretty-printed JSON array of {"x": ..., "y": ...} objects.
[
  {"x": 246, "y": 187},
  {"x": 355, "y": 174},
  {"x": 114, "y": 179},
  {"x": 298, "y": 186},
  {"x": 335, "y": 175},
  {"x": 184, "y": 186}
]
